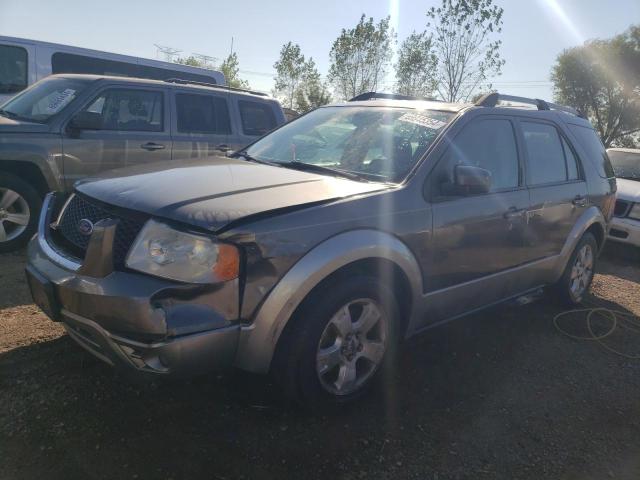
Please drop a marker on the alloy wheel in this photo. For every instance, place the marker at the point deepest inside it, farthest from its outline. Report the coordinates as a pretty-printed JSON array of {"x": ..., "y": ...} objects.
[
  {"x": 581, "y": 272},
  {"x": 352, "y": 346},
  {"x": 14, "y": 214}
]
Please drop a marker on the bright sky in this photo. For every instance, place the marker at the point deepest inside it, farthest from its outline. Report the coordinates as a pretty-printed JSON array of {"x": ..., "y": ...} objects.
[{"x": 535, "y": 31}]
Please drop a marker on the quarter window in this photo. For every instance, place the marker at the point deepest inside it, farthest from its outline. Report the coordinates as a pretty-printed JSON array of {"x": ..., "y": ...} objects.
[
  {"x": 257, "y": 118},
  {"x": 204, "y": 114},
  {"x": 594, "y": 149},
  {"x": 13, "y": 69},
  {"x": 128, "y": 110},
  {"x": 488, "y": 144},
  {"x": 545, "y": 154}
]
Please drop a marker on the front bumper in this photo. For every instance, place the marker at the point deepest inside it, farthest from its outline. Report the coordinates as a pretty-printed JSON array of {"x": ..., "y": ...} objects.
[
  {"x": 625, "y": 230},
  {"x": 133, "y": 320}
]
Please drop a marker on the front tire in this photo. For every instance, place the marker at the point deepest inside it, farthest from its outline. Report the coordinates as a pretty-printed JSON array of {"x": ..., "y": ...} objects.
[
  {"x": 576, "y": 279},
  {"x": 342, "y": 337},
  {"x": 20, "y": 206}
]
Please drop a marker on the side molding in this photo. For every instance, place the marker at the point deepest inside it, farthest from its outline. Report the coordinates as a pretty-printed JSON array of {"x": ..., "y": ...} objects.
[{"x": 258, "y": 341}]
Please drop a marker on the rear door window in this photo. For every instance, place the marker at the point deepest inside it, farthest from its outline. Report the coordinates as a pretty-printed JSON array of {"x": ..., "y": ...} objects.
[
  {"x": 13, "y": 69},
  {"x": 545, "y": 154},
  {"x": 257, "y": 118},
  {"x": 203, "y": 114},
  {"x": 129, "y": 110},
  {"x": 594, "y": 149}
]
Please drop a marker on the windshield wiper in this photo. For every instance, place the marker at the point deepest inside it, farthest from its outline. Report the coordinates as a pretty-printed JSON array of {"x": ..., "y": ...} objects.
[
  {"x": 249, "y": 158},
  {"x": 298, "y": 165},
  {"x": 8, "y": 114},
  {"x": 15, "y": 116}
]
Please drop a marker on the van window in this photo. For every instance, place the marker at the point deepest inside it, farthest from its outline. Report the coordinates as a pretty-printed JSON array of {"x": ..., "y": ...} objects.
[
  {"x": 595, "y": 150},
  {"x": 488, "y": 144},
  {"x": 202, "y": 114},
  {"x": 545, "y": 154},
  {"x": 257, "y": 118},
  {"x": 13, "y": 69},
  {"x": 70, "y": 63},
  {"x": 128, "y": 110}
]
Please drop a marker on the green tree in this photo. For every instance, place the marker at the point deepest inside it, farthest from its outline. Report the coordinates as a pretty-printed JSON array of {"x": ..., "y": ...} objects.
[
  {"x": 602, "y": 79},
  {"x": 230, "y": 68},
  {"x": 416, "y": 67},
  {"x": 290, "y": 69},
  {"x": 464, "y": 39},
  {"x": 191, "y": 61},
  {"x": 312, "y": 92},
  {"x": 360, "y": 57}
]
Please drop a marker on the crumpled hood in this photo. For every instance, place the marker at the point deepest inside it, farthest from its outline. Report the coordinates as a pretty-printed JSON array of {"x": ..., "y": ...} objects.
[
  {"x": 628, "y": 189},
  {"x": 18, "y": 126},
  {"x": 211, "y": 193}
]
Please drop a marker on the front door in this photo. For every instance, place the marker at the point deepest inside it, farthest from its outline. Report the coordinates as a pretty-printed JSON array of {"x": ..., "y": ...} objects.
[
  {"x": 128, "y": 127},
  {"x": 557, "y": 189},
  {"x": 476, "y": 237}
]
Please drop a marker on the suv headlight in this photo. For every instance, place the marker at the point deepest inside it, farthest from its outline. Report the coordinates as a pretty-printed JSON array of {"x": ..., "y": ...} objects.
[
  {"x": 165, "y": 252},
  {"x": 635, "y": 211}
]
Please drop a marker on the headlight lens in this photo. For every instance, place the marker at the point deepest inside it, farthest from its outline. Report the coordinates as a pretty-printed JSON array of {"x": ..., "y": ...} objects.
[
  {"x": 165, "y": 252},
  {"x": 635, "y": 211}
]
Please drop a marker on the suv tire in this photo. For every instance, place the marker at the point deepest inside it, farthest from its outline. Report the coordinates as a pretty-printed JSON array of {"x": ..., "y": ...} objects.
[
  {"x": 343, "y": 336},
  {"x": 574, "y": 284},
  {"x": 20, "y": 206}
]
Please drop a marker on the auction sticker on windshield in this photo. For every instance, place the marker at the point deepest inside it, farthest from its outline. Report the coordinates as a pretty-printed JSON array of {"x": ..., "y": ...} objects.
[
  {"x": 422, "y": 120},
  {"x": 60, "y": 100}
]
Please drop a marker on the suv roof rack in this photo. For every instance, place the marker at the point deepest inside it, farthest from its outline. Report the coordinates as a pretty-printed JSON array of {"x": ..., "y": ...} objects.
[
  {"x": 390, "y": 96},
  {"x": 492, "y": 100},
  {"x": 214, "y": 85}
]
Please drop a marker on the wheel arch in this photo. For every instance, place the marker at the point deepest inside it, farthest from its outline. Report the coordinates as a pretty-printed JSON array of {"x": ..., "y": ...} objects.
[
  {"x": 27, "y": 171},
  {"x": 357, "y": 250}
]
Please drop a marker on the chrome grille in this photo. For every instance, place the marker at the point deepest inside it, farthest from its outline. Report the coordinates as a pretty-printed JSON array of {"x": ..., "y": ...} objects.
[{"x": 77, "y": 209}]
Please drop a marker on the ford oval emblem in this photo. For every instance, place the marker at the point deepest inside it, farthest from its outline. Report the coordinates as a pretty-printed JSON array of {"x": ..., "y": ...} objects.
[{"x": 85, "y": 227}]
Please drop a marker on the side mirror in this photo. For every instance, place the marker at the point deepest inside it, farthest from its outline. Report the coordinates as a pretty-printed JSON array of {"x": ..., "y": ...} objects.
[
  {"x": 472, "y": 180},
  {"x": 86, "y": 121}
]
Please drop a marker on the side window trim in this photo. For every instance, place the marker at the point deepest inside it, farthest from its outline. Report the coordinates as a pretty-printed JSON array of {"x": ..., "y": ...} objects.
[
  {"x": 433, "y": 196},
  {"x": 576, "y": 157},
  {"x": 93, "y": 96}
]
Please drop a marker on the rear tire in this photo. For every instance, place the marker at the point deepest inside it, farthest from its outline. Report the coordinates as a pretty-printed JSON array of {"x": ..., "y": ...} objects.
[
  {"x": 576, "y": 279},
  {"x": 20, "y": 206},
  {"x": 342, "y": 337}
]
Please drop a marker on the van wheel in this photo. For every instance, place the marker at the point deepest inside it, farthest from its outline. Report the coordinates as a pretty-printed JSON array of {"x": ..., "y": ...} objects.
[
  {"x": 574, "y": 284},
  {"x": 342, "y": 337},
  {"x": 20, "y": 206}
]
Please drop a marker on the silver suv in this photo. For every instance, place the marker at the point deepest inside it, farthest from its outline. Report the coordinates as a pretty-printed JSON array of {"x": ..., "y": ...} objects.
[
  {"x": 314, "y": 251},
  {"x": 66, "y": 127}
]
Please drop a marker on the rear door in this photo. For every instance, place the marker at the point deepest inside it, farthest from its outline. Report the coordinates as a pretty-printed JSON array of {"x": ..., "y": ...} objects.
[
  {"x": 131, "y": 128},
  {"x": 201, "y": 124},
  {"x": 556, "y": 184}
]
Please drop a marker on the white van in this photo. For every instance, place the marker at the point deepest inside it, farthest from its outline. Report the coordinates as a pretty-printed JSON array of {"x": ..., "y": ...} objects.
[{"x": 23, "y": 62}]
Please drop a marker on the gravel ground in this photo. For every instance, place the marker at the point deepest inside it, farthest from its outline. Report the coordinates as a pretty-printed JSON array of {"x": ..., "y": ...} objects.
[{"x": 500, "y": 394}]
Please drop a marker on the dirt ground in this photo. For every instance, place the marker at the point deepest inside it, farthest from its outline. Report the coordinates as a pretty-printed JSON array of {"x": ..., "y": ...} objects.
[{"x": 501, "y": 394}]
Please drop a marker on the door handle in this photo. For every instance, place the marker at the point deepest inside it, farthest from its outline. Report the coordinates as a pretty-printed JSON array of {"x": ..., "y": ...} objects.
[
  {"x": 151, "y": 146},
  {"x": 223, "y": 147},
  {"x": 514, "y": 213},
  {"x": 579, "y": 201}
]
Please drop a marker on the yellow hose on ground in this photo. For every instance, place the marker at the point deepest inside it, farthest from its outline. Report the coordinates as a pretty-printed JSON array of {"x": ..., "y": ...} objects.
[{"x": 625, "y": 320}]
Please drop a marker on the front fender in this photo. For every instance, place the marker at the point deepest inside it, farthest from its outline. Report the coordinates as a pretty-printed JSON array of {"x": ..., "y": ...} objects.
[
  {"x": 42, "y": 150},
  {"x": 258, "y": 341}
]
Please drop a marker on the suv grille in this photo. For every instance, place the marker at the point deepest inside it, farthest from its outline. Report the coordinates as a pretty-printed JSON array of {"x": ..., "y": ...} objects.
[
  {"x": 77, "y": 243},
  {"x": 621, "y": 209}
]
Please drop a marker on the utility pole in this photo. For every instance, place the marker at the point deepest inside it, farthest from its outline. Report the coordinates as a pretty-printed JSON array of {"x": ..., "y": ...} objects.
[
  {"x": 168, "y": 52},
  {"x": 206, "y": 60}
]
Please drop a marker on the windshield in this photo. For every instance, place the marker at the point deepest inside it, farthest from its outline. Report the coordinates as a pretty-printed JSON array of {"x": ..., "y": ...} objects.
[
  {"x": 380, "y": 143},
  {"x": 44, "y": 99},
  {"x": 625, "y": 164}
]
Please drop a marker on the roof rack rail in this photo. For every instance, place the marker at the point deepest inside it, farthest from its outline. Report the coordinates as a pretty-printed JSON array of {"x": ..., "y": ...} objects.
[
  {"x": 492, "y": 100},
  {"x": 389, "y": 96},
  {"x": 214, "y": 85}
]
